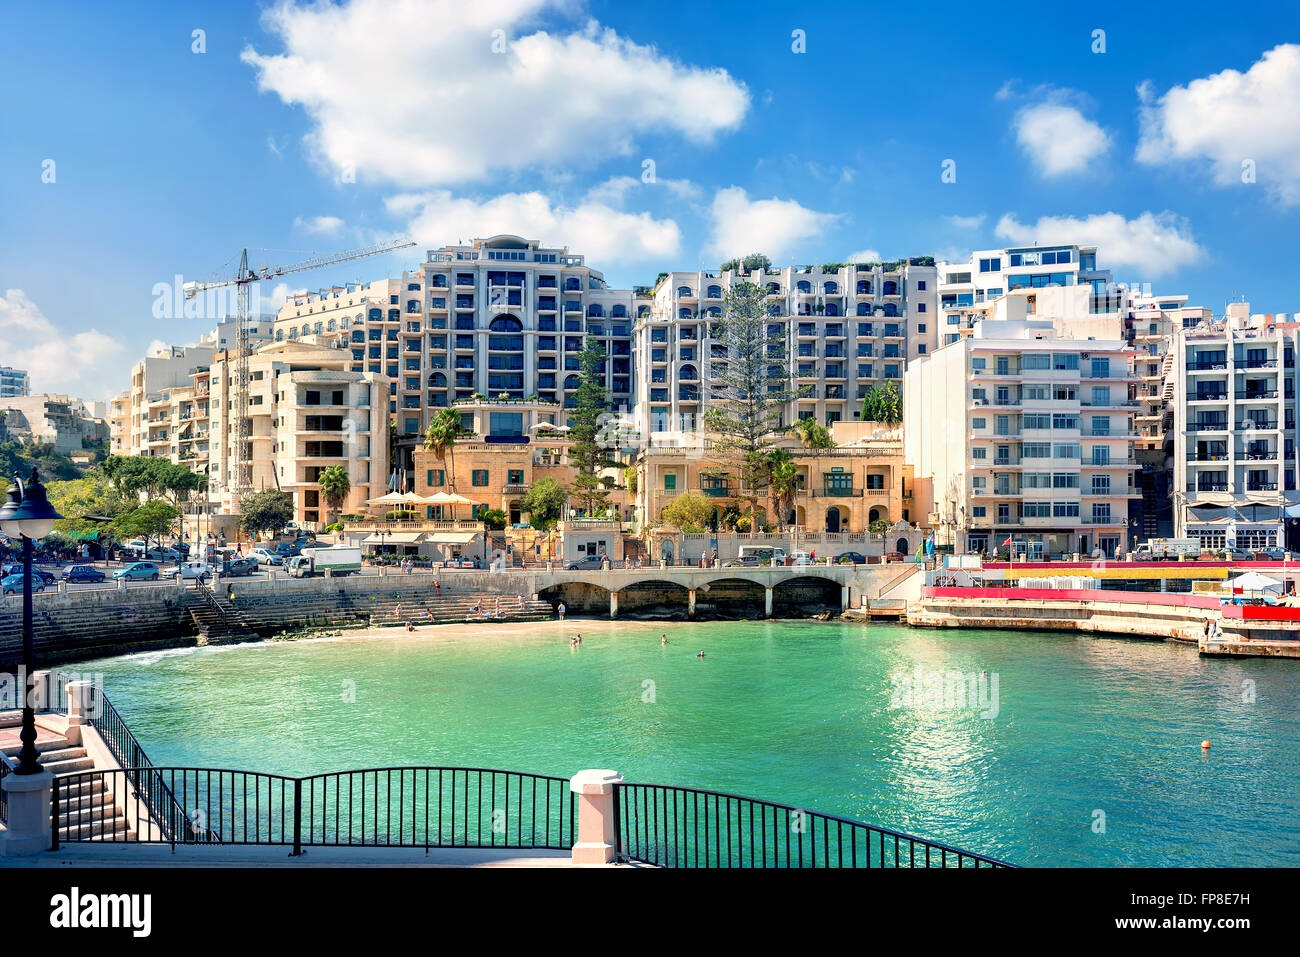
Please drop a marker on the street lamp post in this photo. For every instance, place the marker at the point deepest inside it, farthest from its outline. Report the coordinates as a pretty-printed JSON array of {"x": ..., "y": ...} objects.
[{"x": 29, "y": 515}]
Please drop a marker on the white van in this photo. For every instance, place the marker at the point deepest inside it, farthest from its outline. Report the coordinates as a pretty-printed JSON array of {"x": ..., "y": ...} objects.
[{"x": 800, "y": 558}]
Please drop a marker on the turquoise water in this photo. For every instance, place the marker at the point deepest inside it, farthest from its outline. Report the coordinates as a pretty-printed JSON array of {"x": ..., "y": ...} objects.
[{"x": 800, "y": 713}]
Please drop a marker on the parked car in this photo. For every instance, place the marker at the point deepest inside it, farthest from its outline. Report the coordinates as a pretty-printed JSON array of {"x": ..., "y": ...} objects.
[
  {"x": 266, "y": 557},
  {"x": 161, "y": 553},
  {"x": 588, "y": 563},
  {"x": 82, "y": 574},
  {"x": 38, "y": 574},
  {"x": 1237, "y": 555},
  {"x": 749, "y": 561},
  {"x": 895, "y": 557},
  {"x": 239, "y": 566},
  {"x": 288, "y": 549},
  {"x": 13, "y": 584},
  {"x": 182, "y": 549},
  {"x": 1273, "y": 553},
  {"x": 200, "y": 571},
  {"x": 138, "y": 571},
  {"x": 845, "y": 558},
  {"x": 800, "y": 558}
]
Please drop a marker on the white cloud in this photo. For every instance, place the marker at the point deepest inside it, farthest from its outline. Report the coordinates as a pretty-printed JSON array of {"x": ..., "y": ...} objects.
[
  {"x": 772, "y": 226},
  {"x": 1154, "y": 244},
  {"x": 1058, "y": 138},
  {"x": 966, "y": 222},
  {"x": 318, "y": 225},
  {"x": 596, "y": 229},
  {"x": 865, "y": 256},
  {"x": 614, "y": 191},
  {"x": 411, "y": 91},
  {"x": 81, "y": 363},
  {"x": 1230, "y": 117}
]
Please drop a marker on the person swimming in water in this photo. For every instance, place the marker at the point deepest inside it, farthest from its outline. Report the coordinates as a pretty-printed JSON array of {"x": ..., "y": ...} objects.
[
  {"x": 663, "y": 641},
  {"x": 700, "y": 655}
]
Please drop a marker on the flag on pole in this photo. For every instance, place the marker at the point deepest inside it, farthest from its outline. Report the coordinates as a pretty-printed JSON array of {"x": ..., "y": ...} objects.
[{"x": 1008, "y": 541}]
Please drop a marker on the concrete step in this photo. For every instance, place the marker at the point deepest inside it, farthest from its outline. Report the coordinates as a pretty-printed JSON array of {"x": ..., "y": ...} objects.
[
  {"x": 42, "y": 747},
  {"x": 70, "y": 765},
  {"x": 114, "y": 829}
]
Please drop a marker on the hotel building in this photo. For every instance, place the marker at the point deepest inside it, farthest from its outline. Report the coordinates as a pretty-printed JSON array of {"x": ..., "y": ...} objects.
[
  {"x": 1014, "y": 432},
  {"x": 1235, "y": 430},
  {"x": 498, "y": 316},
  {"x": 846, "y": 329}
]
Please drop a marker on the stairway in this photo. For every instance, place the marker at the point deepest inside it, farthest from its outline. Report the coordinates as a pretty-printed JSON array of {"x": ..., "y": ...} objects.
[
  {"x": 88, "y": 809},
  {"x": 216, "y": 617}
]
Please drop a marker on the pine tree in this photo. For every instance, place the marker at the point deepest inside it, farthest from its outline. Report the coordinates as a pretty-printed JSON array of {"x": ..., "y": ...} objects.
[{"x": 586, "y": 454}]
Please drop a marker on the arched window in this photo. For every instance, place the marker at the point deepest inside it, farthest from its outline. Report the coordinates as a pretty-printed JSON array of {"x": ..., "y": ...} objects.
[
  {"x": 594, "y": 311},
  {"x": 318, "y": 328},
  {"x": 505, "y": 324},
  {"x": 375, "y": 315},
  {"x": 279, "y": 335},
  {"x": 329, "y": 326},
  {"x": 293, "y": 333},
  {"x": 683, "y": 314},
  {"x": 804, "y": 286},
  {"x": 394, "y": 315},
  {"x": 412, "y": 305},
  {"x": 306, "y": 329},
  {"x": 437, "y": 380},
  {"x": 688, "y": 374},
  {"x": 571, "y": 382},
  {"x": 685, "y": 291},
  {"x": 715, "y": 312},
  {"x": 891, "y": 309},
  {"x": 773, "y": 289},
  {"x": 864, "y": 287},
  {"x": 642, "y": 312},
  {"x": 715, "y": 292},
  {"x": 571, "y": 284},
  {"x": 891, "y": 288},
  {"x": 832, "y": 289},
  {"x": 864, "y": 309},
  {"x": 832, "y": 309},
  {"x": 618, "y": 312}
]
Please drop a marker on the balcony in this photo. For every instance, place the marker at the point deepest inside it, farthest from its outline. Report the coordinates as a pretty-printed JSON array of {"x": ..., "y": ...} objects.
[
  {"x": 1256, "y": 425},
  {"x": 1207, "y": 487},
  {"x": 1261, "y": 486}
]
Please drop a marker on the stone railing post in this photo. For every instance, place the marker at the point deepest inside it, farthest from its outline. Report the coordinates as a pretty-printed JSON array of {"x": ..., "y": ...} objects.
[
  {"x": 597, "y": 839},
  {"x": 78, "y": 709},
  {"x": 27, "y": 829}
]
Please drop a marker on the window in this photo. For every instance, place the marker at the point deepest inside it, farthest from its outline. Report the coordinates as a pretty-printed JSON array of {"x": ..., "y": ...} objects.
[
  {"x": 977, "y": 424},
  {"x": 515, "y": 477},
  {"x": 991, "y": 265},
  {"x": 920, "y": 285},
  {"x": 435, "y": 478},
  {"x": 479, "y": 477},
  {"x": 670, "y": 483}
]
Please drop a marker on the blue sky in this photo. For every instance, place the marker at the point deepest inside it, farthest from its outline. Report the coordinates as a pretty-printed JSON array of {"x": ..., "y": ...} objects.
[{"x": 316, "y": 128}]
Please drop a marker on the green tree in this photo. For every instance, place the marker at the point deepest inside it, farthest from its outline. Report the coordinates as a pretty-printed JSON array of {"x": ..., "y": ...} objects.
[
  {"x": 782, "y": 483},
  {"x": 751, "y": 263},
  {"x": 879, "y": 528},
  {"x": 586, "y": 454},
  {"x": 150, "y": 520},
  {"x": 265, "y": 511},
  {"x": 335, "y": 486},
  {"x": 493, "y": 518},
  {"x": 751, "y": 388},
  {"x": 629, "y": 479},
  {"x": 544, "y": 502},
  {"x": 689, "y": 511},
  {"x": 883, "y": 404},
  {"x": 440, "y": 439},
  {"x": 813, "y": 434}
]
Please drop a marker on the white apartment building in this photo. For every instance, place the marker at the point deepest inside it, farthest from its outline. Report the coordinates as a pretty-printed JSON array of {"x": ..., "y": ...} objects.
[
  {"x": 57, "y": 419},
  {"x": 846, "y": 328},
  {"x": 139, "y": 416},
  {"x": 1064, "y": 280},
  {"x": 502, "y": 315},
  {"x": 308, "y": 411},
  {"x": 1015, "y": 433},
  {"x": 14, "y": 382},
  {"x": 1235, "y": 430}
]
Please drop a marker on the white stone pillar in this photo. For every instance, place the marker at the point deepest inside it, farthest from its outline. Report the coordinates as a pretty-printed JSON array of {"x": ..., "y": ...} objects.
[
  {"x": 597, "y": 839},
  {"x": 844, "y": 598},
  {"x": 767, "y": 602},
  {"x": 690, "y": 603},
  {"x": 613, "y": 604},
  {"x": 27, "y": 830},
  {"x": 78, "y": 709}
]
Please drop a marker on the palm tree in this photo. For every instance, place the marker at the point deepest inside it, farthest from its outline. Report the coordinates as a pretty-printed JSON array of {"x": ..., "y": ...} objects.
[
  {"x": 782, "y": 482},
  {"x": 813, "y": 434},
  {"x": 335, "y": 485},
  {"x": 440, "y": 438}
]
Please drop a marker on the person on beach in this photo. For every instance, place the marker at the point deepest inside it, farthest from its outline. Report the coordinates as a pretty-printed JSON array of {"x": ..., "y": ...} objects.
[
  {"x": 397, "y": 612},
  {"x": 560, "y": 611},
  {"x": 478, "y": 607},
  {"x": 498, "y": 609},
  {"x": 410, "y": 627},
  {"x": 424, "y": 613},
  {"x": 437, "y": 588},
  {"x": 663, "y": 641},
  {"x": 578, "y": 638}
]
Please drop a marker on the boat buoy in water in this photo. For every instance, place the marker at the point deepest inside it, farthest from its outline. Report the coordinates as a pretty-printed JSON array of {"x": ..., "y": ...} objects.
[{"x": 1205, "y": 745}]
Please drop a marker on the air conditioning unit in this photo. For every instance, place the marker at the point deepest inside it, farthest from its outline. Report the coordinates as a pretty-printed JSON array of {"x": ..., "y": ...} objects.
[{"x": 981, "y": 401}]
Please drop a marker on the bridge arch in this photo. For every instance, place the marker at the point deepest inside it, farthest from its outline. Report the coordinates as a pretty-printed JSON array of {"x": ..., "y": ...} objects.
[
  {"x": 578, "y": 597},
  {"x": 806, "y": 595}
]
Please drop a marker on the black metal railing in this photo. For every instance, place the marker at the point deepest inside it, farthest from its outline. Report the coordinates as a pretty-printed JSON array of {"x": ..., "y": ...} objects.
[
  {"x": 153, "y": 789},
  {"x": 378, "y": 807},
  {"x": 6, "y": 769},
  {"x": 686, "y": 827}
]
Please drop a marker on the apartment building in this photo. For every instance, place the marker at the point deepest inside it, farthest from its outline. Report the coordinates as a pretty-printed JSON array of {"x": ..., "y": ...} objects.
[
  {"x": 1058, "y": 281},
  {"x": 846, "y": 329},
  {"x": 140, "y": 416},
  {"x": 14, "y": 382},
  {"x": 53, "y": 418},
  {"x": 308, "y": 411},
  {"x": 498, "y": 316},
  {"x": 1016, "y": 433},
  {"x": 1235, "y": 430}
]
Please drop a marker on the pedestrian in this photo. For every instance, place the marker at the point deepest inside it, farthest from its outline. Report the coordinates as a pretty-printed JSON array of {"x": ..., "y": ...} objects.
[
  {"x": 663, "y": 641},
  {"x": 437, "y": 588},
  {"x": 560, "y": 610}
]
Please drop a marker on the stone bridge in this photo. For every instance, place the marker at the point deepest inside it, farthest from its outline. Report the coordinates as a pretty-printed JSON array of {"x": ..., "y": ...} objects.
[{"x": 852, "y": 581}]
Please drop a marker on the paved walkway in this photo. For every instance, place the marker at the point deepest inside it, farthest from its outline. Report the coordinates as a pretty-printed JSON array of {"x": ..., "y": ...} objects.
[{"x": 104, "y": 854}]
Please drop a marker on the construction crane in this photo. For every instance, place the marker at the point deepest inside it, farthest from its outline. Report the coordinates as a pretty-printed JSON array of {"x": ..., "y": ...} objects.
[{"x": 241, "y": 482}]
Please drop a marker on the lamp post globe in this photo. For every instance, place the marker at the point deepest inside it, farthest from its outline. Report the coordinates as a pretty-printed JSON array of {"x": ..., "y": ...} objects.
[{"x": 27, "y": 514}]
